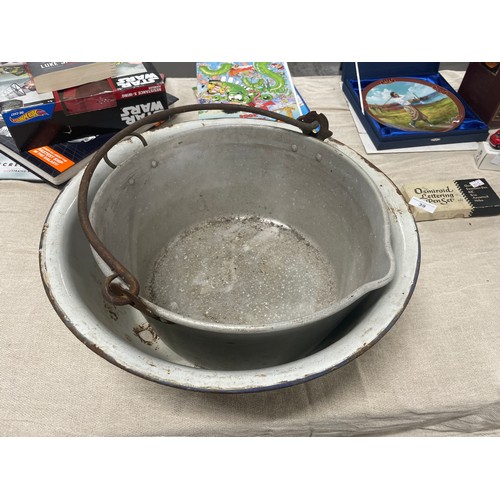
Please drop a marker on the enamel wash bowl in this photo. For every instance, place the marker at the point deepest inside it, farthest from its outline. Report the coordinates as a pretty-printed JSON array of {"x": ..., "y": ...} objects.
[{"x": 375, "y": 270}]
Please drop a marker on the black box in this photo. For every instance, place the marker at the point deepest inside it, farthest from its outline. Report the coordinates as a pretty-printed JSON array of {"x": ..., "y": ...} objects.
[
  {"x": 480, "y": 87},
  {"x": 107, "y": 106},
  {"x": 437, "y": 116}
]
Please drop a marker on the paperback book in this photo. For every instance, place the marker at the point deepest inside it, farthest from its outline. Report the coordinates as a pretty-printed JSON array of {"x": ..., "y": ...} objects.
[
  {"x": 50, "y": 76},
  {"x": 11, "y": 170}
]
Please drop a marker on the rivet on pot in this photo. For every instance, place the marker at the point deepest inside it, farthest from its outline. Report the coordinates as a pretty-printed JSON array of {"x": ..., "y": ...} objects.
[
  {"x": 146, "y": 333},
  {"x": 154, "y": 163},
  {"x": 294, "y": 148},
  {"x": 318, "y": 157},
  {"x": 131, "y": 181}
]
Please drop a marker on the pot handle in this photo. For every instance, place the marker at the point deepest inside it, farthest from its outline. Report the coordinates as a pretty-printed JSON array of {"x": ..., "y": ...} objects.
[{"x": 313, "y": 124}]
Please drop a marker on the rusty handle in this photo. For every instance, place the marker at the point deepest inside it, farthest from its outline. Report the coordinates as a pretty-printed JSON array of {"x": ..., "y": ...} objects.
[{"x": 313, "y": 124}]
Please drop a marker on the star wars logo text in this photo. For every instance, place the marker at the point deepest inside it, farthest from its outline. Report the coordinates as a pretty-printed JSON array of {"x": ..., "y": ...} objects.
[
  {"x": 127, "y": 82},
  {"x": 131, "y": 114}
]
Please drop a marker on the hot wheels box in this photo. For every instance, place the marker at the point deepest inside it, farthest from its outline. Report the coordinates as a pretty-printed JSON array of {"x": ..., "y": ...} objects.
[
  {"x": 409, "y": 104},
  {"x": 101, "y": 107}
]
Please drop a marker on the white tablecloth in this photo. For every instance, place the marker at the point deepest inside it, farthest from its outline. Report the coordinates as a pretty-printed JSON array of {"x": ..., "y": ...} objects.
[{"x": 436, "y": 372}]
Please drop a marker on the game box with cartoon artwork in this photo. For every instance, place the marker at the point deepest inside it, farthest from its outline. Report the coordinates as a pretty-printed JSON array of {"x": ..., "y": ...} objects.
[
  {"x": 266, "y": 85},
  {"x": 403, "y": 105},
  {"x": 106, "y": 106}
]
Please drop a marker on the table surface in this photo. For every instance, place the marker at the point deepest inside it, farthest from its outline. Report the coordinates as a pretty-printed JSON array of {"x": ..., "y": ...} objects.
[{"x": 436, "y": 372}]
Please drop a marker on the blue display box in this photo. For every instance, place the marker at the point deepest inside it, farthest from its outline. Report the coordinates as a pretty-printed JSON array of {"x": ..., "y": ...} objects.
[{"x": 414, "y": 128}]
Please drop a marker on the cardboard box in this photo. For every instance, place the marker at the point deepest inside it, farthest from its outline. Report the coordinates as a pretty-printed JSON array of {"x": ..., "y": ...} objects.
[
  {"x": 102, "y": 107},
  {"x": 416, "y": 119},
  {"x": 435, "y": 200},
  {"x": 480, "y": 87},
  {"x": 486, "y": 157}
]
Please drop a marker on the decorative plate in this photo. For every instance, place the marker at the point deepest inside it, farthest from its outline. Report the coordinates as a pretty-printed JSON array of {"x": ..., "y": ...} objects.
[{"x": 412, "y": 104}]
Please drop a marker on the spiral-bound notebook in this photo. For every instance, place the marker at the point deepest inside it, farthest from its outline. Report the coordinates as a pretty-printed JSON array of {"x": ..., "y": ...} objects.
[{"x": 449, "y": 199}]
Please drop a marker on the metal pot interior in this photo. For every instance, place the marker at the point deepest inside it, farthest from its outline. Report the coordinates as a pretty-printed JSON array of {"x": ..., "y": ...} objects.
[{"x": 245, "y": 225}]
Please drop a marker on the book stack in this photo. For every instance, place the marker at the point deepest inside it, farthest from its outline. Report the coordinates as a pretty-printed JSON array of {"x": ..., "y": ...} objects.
[
  {"x": 266, "y": 85},
  {"x": 53, "y": 134},
  {"x": 55, "y": 163}
]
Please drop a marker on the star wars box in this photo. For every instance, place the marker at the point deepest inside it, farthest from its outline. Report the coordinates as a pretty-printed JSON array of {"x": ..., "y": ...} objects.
[
  {"x": 403, "y": 105},
  {"x": 101, "y": 107}
]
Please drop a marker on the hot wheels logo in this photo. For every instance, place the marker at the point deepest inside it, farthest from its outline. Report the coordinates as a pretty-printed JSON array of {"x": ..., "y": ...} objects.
[{"x": 29, "y": 115}]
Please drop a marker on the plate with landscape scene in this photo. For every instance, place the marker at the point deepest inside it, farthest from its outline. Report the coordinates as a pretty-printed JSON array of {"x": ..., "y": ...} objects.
[{"x": 412, "y": 104}]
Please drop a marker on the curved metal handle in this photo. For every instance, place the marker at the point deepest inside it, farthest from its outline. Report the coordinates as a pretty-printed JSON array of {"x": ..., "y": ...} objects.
[{"x": 313, "y": 124}]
